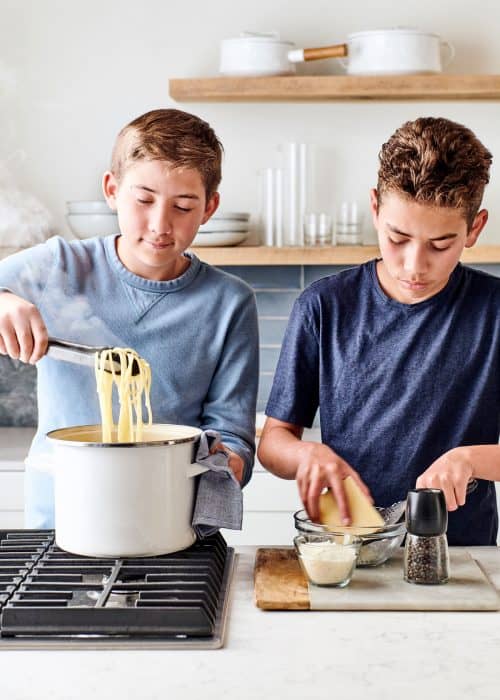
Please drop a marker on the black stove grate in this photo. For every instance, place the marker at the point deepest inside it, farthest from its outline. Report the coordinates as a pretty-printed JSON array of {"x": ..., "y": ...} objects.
[{"x": 45, "y": 591}]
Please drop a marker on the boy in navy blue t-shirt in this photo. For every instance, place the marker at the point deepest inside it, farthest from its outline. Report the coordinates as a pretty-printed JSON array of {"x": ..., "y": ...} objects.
[{"x": 401, "y": 354}]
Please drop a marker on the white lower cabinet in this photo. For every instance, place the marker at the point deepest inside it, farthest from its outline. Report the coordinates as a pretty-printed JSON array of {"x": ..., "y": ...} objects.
[
  {"x": 11, "y": 519},
  {"x": 267, "y": 492},
  {"x": 11, "y": 499},
  {"x": 263, "y": 528},
  {"x": 14, "y": 445},
  {"x": 268, "y": 507}
]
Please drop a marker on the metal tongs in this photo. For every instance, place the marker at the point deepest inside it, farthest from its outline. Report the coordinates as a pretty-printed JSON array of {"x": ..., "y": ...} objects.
[{"x": 85, "y": 355}]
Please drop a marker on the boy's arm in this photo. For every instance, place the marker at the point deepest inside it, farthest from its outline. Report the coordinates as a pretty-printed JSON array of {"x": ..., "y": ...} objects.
[
  {"x": 23, "y": 276},
  {"x": 452, "y": 471},
  {"x": 23, "y": 335},
  {"x": 230, "y": 404}
]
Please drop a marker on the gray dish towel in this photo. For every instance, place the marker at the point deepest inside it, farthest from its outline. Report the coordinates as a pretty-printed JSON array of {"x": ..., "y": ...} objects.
[{"x": 219, "y": 500}]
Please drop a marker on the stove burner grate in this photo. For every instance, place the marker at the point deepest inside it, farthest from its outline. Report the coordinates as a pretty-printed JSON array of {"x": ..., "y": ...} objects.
[{"x": 47, "y": 592}]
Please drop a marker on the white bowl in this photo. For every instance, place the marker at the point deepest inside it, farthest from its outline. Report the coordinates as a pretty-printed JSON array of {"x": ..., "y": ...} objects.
[
  {"x": 218, "y": 225},
  {"x": 91, "y": 206},
  {"x": 90, "y": 225},
  {"x": 235, "y": 215},
  {"x": 219, "y": 239}
]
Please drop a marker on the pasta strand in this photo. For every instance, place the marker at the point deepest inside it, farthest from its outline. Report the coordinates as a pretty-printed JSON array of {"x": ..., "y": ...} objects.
[{"x": 131, "y": 389}]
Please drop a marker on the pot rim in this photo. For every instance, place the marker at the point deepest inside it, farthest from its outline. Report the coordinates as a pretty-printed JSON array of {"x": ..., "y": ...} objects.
[
  {"x": 268, "y": 40},
  {"x": 393, "y": 30},
  {"x": 53, "y": 436}
]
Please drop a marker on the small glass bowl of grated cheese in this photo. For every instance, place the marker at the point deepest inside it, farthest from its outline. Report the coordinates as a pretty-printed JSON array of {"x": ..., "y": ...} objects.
[{"x": 328, "y": 560}]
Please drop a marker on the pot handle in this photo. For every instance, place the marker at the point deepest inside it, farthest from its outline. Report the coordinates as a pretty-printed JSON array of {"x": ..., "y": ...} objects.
[
  {"x": 448, "y": 46},
  {"x": 43, "y": 461},
  {"x": 335, "y": 51}
]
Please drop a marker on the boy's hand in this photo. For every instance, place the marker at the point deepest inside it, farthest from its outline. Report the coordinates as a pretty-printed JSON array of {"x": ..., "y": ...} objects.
[
  {"x": 322, "y": 467},
  {"x": 450, "y": 473},
  {"x": 23, "y": 335},
  {"x": 235, "y": 462}
]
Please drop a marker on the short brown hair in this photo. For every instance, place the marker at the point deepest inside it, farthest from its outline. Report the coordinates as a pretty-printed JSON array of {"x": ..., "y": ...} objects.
[
  {"x": 438, "y": 162},
  {"x": 182, "y": 139}
]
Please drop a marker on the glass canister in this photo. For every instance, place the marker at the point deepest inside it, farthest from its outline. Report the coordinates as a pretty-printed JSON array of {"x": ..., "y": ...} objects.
[{"x": 426, "y": 558}]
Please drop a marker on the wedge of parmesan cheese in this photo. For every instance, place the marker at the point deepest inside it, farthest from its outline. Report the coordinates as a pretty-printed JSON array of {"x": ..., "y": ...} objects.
[{"x": 364, "y": 517}]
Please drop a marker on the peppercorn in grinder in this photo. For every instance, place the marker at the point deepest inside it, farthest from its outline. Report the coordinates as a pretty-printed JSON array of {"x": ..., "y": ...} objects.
[{"x": 426, "y": 557}]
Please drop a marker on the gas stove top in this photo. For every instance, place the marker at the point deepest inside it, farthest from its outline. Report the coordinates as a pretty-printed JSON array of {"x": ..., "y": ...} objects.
[{"x": 51, "y": 598}]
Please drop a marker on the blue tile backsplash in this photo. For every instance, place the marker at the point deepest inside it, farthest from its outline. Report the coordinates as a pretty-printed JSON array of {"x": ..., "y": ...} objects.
[
  {"x": 268, "y": 277},
  {"x": 276, "y": 288},
  {"x": 276, "y": 303}
]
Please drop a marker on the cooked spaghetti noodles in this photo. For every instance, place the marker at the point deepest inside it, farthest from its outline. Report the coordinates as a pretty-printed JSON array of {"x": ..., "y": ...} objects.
[{"x": 131, "y": 386}]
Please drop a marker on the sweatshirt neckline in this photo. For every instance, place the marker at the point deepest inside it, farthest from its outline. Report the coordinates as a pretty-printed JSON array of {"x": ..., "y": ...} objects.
[
  {"x": 160, "y": 286},
  {"x": 438, "y": 298}
]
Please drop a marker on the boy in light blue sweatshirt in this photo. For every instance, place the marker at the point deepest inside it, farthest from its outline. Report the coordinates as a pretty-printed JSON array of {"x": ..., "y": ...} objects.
[{"x": 194, "y": 324}]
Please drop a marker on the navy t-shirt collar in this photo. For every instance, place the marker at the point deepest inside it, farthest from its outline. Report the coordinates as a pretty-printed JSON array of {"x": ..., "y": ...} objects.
[{"x": 438, "y": 298}]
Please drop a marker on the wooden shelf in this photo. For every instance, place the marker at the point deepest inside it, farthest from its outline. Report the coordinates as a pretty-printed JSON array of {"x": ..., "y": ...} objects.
[
  {"x": 328, "y": 255},
  {"x": 336, "y": 87}
]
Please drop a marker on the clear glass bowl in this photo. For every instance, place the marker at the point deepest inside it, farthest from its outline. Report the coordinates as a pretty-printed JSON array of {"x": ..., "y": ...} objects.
[
  {"x": 376, "y": 546},
  {"x": 328, "y": 559}
]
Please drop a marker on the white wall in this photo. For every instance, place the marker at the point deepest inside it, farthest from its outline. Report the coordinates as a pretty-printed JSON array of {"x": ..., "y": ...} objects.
[{"x": 75, "y": 72}]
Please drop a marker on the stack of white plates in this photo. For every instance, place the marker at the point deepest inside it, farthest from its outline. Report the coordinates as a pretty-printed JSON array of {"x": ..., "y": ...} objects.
[
  {"x": 89, "y": 218},
  {"x": 223, "y": 229}
]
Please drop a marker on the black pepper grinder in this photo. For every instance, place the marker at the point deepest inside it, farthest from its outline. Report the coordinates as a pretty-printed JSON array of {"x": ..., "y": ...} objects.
[{"x": 426, "y": 557}]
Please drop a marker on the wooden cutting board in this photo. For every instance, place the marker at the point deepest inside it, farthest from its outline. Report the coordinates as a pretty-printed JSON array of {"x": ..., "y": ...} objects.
[{"x": 279, "y": 584}]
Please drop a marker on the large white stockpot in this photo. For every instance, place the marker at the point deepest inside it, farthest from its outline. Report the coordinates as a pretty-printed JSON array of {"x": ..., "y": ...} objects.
[{"x": 122, "y": 499}]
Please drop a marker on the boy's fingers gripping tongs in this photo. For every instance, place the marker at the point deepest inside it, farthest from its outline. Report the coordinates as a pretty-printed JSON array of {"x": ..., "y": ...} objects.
[{"x": 84, "y": 355}]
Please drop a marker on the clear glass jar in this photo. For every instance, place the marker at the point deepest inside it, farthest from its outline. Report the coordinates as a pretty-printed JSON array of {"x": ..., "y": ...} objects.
[
  {"x": 349, "y": 222},
  {"x": 426, "y": 559},
  {"x": 317, "y": 229}
]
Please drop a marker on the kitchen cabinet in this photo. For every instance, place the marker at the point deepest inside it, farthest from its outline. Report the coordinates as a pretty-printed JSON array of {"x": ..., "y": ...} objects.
[
  {"x": 268, "y": 507},
  {"x": 14, "y": 445}
]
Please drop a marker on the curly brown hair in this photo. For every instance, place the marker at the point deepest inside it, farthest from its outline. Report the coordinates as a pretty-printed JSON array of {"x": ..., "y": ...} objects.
[
  {"x": 437, "y": 162},
  {"x": 182, "y": 139}
]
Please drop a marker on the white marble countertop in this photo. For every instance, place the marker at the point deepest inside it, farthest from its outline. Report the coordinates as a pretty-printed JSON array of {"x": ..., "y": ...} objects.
[{"x": 292, "y": 655}]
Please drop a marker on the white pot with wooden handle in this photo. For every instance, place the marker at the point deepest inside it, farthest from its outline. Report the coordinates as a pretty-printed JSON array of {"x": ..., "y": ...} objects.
[{"x": 254, "y": 54}]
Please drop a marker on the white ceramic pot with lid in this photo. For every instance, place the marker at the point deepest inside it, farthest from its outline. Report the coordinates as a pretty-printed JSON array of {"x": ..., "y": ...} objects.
[
  {"x": 396, "y": 51},
  {"x": 122, "y": 499}
]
